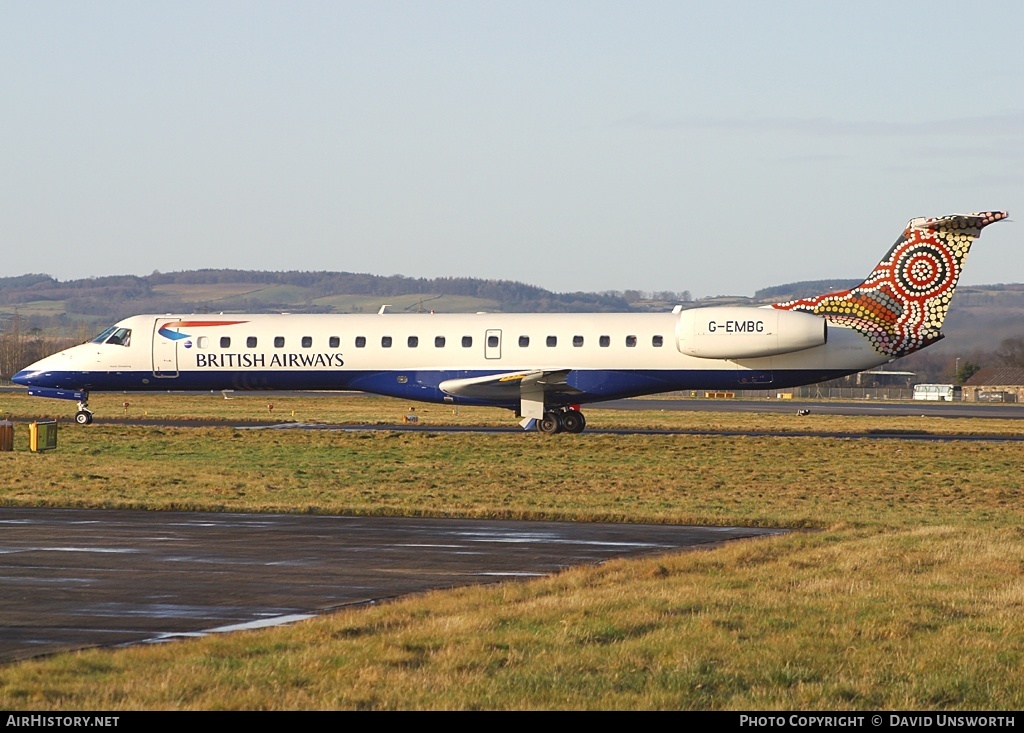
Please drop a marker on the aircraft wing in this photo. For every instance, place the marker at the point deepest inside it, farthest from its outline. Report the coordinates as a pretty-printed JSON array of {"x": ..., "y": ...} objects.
[{"x": 529, "y": 387}]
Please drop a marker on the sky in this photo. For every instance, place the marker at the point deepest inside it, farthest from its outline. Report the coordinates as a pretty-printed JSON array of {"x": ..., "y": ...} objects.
[{"x": 711, "y": 147}]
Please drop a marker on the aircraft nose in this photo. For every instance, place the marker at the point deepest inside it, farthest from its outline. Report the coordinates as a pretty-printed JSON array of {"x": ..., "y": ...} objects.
[{"x": 24, "y": 377}]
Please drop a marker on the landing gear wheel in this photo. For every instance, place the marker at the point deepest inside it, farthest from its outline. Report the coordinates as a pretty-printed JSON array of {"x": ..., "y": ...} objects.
[
  {"x": 83, "y": 417},
  {"x": 573, "y": 421},
  {"x": 550, "y": 424}
]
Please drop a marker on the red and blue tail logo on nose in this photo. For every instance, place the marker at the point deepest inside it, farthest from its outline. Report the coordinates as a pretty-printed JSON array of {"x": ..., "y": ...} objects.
[{"x": 167, "y": 333}]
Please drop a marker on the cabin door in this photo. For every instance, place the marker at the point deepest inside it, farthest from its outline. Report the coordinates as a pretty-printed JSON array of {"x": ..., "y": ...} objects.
[
  {"x": 165, "y": 347},
  {"x": 492, "y": 343}
]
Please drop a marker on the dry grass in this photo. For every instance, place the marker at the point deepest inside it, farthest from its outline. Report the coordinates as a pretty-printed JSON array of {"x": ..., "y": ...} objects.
[{"x": 772, "y": 481}]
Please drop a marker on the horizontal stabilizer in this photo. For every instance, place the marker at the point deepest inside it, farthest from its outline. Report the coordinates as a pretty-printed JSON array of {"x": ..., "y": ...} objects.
[{"x": 975, "y": 222}]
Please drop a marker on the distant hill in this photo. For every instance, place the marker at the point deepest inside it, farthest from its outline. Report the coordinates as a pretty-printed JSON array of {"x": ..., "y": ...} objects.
[
  {"x": 804, "y": 289},
  {"x": 45, "y": 303}
]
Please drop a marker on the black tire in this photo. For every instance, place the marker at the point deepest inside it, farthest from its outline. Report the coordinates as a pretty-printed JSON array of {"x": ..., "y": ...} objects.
[
  {"x": 550, "y": 423},
  {"x": 573, "y": 421},
  {"x": 83, "y": 417}
]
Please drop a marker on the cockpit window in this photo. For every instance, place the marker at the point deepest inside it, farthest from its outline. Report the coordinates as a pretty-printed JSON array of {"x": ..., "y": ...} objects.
[
  {"x": 116, "y": 336},
  {"x": 104, "y": 336},
  {"x": 121, "y": 337}
]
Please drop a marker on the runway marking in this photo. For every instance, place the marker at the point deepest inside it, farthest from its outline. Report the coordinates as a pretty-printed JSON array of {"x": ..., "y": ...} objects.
[
  {"x": 261, "y": 623},
  {"x": 102, "y": 550}
]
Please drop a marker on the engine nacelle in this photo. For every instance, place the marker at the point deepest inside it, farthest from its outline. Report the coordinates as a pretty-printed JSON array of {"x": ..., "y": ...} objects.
[{"x": 747, "y": 333}]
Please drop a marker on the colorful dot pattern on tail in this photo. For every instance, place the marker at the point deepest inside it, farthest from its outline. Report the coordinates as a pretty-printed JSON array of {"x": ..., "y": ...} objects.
[{"x": 900, "y": 308}]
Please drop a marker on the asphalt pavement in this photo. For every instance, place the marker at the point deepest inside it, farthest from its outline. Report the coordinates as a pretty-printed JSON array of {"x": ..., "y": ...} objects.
[{"x": 76, "y": 578}]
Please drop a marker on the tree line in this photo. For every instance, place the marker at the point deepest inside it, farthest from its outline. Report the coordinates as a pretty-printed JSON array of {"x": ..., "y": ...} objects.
[
  {"x": 950, "y": 367},
  {"x": 20, "y": 346}
]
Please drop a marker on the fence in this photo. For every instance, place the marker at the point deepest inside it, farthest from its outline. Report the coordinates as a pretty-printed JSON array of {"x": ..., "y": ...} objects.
[{"x": 815, "y": 392}]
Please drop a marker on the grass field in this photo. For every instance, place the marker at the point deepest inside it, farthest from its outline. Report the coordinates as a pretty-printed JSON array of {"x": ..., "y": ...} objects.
[
  {"x": 908, "y": 594},
  {"x": 412, "y": 303},
  {"x": 36, "y": 308},
  {"x": 206, "y": 292}
]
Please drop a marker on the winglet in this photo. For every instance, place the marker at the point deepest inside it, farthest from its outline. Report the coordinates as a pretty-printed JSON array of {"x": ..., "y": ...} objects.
[{"x": 902, "y": 304}]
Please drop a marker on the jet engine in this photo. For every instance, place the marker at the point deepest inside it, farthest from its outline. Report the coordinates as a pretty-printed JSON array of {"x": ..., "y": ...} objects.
[{"x": 747, "y": 333}]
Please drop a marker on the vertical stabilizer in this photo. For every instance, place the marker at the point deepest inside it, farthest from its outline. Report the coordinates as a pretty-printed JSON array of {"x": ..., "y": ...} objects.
[{"x": 902, "y": 304}]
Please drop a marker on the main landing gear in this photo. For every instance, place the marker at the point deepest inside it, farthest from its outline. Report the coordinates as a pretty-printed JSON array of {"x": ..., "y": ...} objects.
[
  {"x": 84, "y": 414},
  {"x": 562, "y": 421}
]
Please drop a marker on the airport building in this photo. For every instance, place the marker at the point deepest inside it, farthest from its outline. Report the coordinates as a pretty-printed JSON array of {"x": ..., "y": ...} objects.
[{"x": 995, "y": 384}]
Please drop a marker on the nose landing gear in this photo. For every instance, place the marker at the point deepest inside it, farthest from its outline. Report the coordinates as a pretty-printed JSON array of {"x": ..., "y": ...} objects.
[{"x": 84, "y": 414}]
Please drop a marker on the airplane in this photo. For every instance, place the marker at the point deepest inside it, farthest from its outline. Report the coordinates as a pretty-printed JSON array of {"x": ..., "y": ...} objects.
[{"x": 543, "y": 367}]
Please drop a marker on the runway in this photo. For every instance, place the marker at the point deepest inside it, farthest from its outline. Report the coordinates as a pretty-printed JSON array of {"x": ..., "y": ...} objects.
[
  {"x": 920, "y": 435},
  {"x": 77, "y": 578},
  {"x": 802, "y": 425},
  {"x": 826, "y": 407}
]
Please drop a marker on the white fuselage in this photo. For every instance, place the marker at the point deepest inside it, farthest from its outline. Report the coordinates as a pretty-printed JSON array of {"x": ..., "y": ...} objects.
[{"x": 598, "y": 356}]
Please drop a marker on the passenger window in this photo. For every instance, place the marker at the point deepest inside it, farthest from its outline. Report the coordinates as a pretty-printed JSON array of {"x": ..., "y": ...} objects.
[
  {"x": 334, "y": 342},
  {"x": 492, "y": 341},
  {"x": 413, "y": 342},
  {"x": 467, "y": 341},
  {"x": 203, "y": 342},
  {"x": 307, "y": 341},
  {"x": 552, "y": 340},
  {"x": 439, "y": 342},
  {"x": 577, "y": 341},
  {"x": 251, "y": 342},
  {"x": 524, "y": 341},
  {"x": 278, "y": 342},
  {"x": 631, "y": 341},
  {"x": 605, "y": 341},
  {"x": 657, "y": 341},
  {"x": 385, "y": 341},
  {"x": 225, "y": 342},
  {"x": 360, "y": 342}
]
